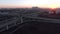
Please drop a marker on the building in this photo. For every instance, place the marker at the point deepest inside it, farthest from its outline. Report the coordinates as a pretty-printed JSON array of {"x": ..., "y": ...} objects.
[{"x": 58, "y": 11}]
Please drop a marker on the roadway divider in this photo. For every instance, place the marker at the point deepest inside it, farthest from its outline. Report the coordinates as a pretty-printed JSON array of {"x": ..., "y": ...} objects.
[
  {"x": 49, "y": 20},
  {"x": 5, "y": 24}
]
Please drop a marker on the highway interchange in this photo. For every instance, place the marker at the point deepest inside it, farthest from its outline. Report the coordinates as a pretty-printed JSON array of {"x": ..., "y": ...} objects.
[{"x": 22, "y": 18}]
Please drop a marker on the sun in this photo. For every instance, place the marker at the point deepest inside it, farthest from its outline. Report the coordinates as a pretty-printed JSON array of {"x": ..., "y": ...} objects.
[{"x": 53, "y": 6}]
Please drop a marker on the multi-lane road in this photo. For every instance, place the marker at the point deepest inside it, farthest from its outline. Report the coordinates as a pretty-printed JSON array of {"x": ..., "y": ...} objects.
[
  {"x": 7, "y": 21},
  {"x": 6, "y": 24}
]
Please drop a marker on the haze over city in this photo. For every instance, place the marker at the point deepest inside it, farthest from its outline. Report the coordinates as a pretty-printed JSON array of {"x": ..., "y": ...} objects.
[
  {"x": 29, "y": 3},
  {"x": 29, "y": 16}
]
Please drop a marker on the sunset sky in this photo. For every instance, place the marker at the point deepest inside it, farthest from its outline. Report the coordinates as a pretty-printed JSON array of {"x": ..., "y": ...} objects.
[{"x": 29, "y": 3}]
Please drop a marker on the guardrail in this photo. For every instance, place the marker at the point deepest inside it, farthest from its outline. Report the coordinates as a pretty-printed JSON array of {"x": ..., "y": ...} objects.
[
  {"x": 13, "y": 21},
  {"x": 5, "y": 25},
  {"x": 43, "y": 19},
  {"x": 5, "y": 21}
]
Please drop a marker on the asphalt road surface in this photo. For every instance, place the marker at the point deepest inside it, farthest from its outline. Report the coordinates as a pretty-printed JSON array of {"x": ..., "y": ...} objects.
[
  {"x": 37, "y": 27},
  {"x": 34, "y": 27}
]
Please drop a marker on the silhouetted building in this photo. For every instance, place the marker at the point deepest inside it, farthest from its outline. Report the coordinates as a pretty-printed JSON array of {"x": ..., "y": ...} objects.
[{"x": 58, "y": 11}]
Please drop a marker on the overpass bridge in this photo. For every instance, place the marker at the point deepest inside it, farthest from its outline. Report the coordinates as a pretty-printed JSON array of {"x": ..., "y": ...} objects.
[{"x": 22, "y": 18}]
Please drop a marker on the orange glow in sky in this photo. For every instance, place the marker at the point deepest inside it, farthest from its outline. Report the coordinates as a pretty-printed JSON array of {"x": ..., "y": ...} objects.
[{"x": 29, "y": 3}]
